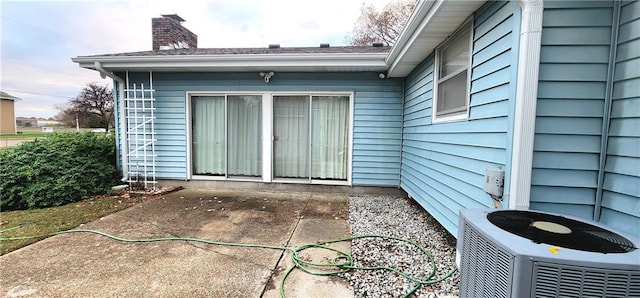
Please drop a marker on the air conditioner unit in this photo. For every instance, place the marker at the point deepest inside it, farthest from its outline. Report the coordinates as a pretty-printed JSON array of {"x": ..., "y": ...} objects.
[{"x": 512, "y": 253}]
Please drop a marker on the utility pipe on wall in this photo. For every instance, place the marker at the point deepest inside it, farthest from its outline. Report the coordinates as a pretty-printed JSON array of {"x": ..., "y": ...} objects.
[
  {"x": 123, "y": 136},
  {"x": 526, "y": 99}
]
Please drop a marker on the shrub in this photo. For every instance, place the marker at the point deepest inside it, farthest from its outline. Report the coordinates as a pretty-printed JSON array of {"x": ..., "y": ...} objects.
[{"x": 62, "y": 168}]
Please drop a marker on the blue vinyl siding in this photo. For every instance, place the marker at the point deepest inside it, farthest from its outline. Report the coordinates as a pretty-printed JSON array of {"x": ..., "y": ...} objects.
[
  {"x": 443, "y": 164},
  {"x": 376, "y": 125},
  {"x": 572, "y": 86},
  {"x": 621, "y": 189},
  {"x": 572, "y": 105}
]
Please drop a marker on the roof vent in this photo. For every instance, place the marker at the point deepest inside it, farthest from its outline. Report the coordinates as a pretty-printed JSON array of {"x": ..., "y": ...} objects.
[
  {"x": 324, "y": 45},
  {"x": 377, "y": 44},
  {"x": 274, "y": 46}
]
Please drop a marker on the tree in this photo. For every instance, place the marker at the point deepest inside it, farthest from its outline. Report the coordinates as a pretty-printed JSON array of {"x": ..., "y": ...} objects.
[
  {"x": 93, "y": 107},
  {"x": 381, "y": 26}
]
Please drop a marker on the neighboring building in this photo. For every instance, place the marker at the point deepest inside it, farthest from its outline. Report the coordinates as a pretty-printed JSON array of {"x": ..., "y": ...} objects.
[
  {"x": 546, "y": 92},
  {"x": 7, "y": 113},
  {"x": 35, "y": 122},
  {"x": 26, "y": 122}
]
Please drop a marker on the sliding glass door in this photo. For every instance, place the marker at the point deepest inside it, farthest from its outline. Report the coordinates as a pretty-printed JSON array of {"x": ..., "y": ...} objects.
[
  {"x": 310, "y": 137},
  {"x": 208, "y": 134},
  {"x": 291, "y": 137},
  {"x": 309, "y": 141},
  {"x": 227, "y": 135},
  {"x": 329, "y": 137}
]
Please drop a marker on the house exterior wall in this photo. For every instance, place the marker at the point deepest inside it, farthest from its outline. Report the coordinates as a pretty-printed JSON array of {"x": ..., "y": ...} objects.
[
  {"x": 376, "y": 124},
  {"x": 571, "y": 97},
  {"x": 443, "y": 164},
  {"x": 621, "y": 187},
  {"x": 578, "y": 70},
  {"x": 7, "y": 117}
]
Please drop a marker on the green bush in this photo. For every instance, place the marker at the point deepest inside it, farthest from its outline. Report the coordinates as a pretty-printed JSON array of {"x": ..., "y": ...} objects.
[{"x": 62, "y": 168}]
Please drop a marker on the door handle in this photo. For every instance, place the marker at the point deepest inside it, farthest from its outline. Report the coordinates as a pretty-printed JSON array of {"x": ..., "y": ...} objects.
[{"x": 275, "y": 138}]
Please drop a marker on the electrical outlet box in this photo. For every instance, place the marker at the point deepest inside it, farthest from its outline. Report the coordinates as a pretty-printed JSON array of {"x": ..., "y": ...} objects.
[{"x": 494, "y": 182}]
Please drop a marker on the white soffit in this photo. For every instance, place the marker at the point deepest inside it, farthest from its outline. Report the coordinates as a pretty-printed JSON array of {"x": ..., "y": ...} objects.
[{"x": 430, "y": 24}]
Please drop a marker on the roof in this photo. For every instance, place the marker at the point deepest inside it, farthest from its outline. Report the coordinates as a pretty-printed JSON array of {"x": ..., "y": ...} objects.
[
  {"x": 303, "y": 59},
  {"x": 253, "y": 51},
  {"x": 5, "y": 95},
  {"x": 430, "y": 24}
]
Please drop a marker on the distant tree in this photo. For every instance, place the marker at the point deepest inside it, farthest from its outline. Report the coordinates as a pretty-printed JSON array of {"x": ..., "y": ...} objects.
[
  {"x": 93, "y": 107},
  {"x": 381, "y": 26},
  {"x": 68, "y": 115}
]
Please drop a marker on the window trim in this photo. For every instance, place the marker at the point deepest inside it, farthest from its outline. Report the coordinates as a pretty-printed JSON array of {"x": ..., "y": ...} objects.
[{"x": 452, "y": 115}]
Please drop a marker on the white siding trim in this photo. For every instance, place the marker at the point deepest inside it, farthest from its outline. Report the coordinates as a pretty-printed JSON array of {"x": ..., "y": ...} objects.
[
  {"x": 526, "y": 98},
  {"x": 187, "y": 123},
  {"x": 352, "y": 114},
  {"x": 267, "y": 137}
]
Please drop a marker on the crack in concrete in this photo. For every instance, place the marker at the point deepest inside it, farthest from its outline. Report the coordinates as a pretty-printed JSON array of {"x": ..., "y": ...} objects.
[{"x": 274, "y": 271}]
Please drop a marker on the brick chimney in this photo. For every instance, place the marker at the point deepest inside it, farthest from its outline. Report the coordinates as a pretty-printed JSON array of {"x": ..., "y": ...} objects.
[{"x": 168, "y": 33}]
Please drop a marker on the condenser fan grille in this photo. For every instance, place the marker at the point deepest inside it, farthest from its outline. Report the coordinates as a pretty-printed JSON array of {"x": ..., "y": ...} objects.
[{"x": 560, "y": 231}]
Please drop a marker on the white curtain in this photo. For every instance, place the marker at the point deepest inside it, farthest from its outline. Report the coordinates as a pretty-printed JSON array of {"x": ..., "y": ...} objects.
[
  {"x": 329, "y": 137},
  {"x": 208, "y": 135},
  {"x": 291, "y": 136},
  {"x": 244, "y": 135}
]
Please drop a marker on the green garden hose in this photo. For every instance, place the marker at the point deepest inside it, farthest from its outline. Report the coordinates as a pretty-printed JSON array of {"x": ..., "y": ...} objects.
[{"x": 341, "y": 264}]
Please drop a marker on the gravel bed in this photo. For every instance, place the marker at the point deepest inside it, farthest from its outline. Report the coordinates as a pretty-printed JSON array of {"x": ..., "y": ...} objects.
[{"x": 403, "y": 218}]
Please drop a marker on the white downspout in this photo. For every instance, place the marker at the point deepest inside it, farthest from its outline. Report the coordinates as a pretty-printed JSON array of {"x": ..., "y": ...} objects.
[
  {"x": 526, "y": 98},
  {"x": 123, "y": 136}
]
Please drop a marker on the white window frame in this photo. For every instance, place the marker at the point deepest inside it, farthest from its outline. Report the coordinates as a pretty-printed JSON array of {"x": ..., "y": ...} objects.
[
  {"x": 267, "y": 135},
  {"x": 454, "y": 115}
]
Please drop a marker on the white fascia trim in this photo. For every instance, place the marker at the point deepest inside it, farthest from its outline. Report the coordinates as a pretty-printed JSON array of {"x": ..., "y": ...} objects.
[
  {"x": 422, "y": 16},
  {"x": 374, "y": 60},
  {"x": 526, "y": 99}
]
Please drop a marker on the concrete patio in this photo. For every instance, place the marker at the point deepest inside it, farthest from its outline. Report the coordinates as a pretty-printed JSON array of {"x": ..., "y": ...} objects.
[{"x": 89, "y": 265}]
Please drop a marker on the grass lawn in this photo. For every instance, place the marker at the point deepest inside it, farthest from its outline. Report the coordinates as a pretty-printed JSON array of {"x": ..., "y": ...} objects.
[
  {"x": 25, "y": 135},
  {"x": 50, "y": 220},
  {"x": 36, "y": 132}
]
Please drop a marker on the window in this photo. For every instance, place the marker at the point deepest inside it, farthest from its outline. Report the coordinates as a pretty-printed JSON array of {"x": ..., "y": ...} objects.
[
  {"x": 453, "y": 59},
  {"x": 226, "y": 135}
]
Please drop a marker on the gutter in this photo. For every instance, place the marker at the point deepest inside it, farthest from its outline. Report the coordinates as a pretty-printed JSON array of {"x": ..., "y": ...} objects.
[
  {"x": 526, "y": 99},
  {"x": 123, "y": 136}
]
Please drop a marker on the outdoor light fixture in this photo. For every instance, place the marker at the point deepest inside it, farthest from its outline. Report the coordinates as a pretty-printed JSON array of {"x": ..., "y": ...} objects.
[
  {"x": 382, "y": 75},
  {"x": 267, "y": 76}
]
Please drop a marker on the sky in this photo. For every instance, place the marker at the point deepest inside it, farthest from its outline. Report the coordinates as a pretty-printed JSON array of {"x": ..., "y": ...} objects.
[{"x": 39, "y": 38}]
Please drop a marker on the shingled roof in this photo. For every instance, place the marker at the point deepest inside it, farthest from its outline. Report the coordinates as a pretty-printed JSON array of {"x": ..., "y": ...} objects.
[{"x": 254, "y": 51}]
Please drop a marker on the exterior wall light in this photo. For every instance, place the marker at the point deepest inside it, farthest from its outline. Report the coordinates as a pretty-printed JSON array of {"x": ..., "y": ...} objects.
[{"x": 267, "y": 76}]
